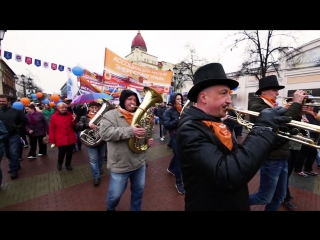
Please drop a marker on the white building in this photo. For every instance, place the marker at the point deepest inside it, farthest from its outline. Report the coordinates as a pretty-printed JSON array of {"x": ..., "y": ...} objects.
[{"x": 299, "y": 72}]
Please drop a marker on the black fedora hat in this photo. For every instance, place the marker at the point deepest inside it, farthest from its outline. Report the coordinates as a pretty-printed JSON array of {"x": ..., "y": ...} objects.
[
  {"x": 209, "y": 75},
  {"x": 269, "y": 82}
]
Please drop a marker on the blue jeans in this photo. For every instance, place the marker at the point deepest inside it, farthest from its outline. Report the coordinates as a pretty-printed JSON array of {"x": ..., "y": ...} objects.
[
  {"x": 96, "y": 158},
  {"x": 174, "y": 165},
  {"x": 12, "y": 149},
  {"x": 318, "y": 157},
  {"x": 118, "y": 184},
  {"x": 273, "y": 184},
  {"x": 1, "y": 155}
]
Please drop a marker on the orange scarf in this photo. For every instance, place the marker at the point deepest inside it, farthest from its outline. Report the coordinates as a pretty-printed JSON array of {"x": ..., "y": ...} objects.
[
  {"x": 91, "y": 115},
  {"x": 222, "y": 132},
  {"x": 270, "y": 100},
  {"x": 312, "y": 113},
  {"x": 127, "y": 115},
  {"x": 178, "y": 107}
]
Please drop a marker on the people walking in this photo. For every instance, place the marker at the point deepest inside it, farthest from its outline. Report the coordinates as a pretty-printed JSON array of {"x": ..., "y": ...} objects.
[
  {"x": 158, "y": 112},
  {"x": 96, "y": 153},
  {"x": 14, "y": 121},
  {"x": 37, "y": 128},
  {"x": 62, "y": 134},
  {"x": 124, "y": 164}
]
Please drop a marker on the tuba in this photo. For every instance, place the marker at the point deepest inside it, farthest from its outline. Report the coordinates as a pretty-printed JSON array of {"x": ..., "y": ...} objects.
[
  {"x": 90, "y": 137},
  {"x": 145, "y": 119}
]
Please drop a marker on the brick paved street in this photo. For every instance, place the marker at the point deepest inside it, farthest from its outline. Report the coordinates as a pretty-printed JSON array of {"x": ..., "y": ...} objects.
[{"x": 41, "y": 187}]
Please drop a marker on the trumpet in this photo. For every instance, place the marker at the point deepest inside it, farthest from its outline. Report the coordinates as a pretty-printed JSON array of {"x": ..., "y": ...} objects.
[
  {"x": 308, "y": 101},
  {"x": 292, "y": 135}
]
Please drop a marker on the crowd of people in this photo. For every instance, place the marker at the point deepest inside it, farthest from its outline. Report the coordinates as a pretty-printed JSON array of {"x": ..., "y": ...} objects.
[{"x": 210, "y": 167}]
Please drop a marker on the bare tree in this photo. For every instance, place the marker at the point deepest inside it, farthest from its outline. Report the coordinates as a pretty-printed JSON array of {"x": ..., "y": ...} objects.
[
  {"x": 263, "y": 51},
  {"x": 186, "y": 68}
]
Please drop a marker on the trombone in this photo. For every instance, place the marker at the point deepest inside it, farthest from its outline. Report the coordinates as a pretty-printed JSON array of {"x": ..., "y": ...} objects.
[
  {"x": 308, "y": 101},
  {"x": 297, "y": 137}
]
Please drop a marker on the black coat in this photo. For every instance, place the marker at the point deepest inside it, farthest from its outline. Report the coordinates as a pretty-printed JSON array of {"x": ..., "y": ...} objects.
[
  {"x": 14, "y": 120},
  {"x": 159, "y": 111},
  {"x": 281, "y": 148},
  {"x": 215, "y": 178}
]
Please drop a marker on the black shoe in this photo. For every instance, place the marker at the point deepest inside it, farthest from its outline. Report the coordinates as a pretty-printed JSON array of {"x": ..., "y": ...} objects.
[
  {"x": 289, "y": 205},
  {"x": 180, "y": 188},
  {"x": 14, "y": 174},
  {"x": 59, "y": 167},
  {"x": 68, "y": 168},
  {"x": 96, "y": 181}
]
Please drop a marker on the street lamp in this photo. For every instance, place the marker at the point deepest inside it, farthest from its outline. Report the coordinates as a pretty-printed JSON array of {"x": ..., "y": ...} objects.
[
  {"x": 2, "y": 32},
  {"x": 25, "y": 83},
  {"x": 178, "y": 78}
]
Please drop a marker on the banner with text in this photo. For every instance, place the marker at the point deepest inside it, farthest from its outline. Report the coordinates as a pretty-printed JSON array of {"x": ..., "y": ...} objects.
[{"x": 120, "y": 71}]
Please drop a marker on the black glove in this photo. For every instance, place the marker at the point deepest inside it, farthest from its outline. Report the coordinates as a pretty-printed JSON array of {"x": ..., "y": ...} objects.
[{"x": 272, "y": 117}]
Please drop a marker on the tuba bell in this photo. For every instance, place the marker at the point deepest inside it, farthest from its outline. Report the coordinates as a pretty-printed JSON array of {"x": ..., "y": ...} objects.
[
  {"x": 90, "y": 137},
  {"x": 145, "y": 119}
]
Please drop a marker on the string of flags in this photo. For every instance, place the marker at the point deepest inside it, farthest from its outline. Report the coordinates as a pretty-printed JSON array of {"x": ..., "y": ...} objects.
[{"x": 37, "y": 62}]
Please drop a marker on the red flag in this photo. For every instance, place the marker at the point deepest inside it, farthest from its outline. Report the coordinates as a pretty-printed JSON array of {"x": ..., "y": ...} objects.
[
  {"x": 53, "y": 66},
  {"x": 28, "y": 60}
]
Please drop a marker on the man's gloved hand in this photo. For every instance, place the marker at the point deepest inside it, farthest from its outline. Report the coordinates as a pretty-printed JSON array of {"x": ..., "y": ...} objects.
[{"x": 272, "y": 117}]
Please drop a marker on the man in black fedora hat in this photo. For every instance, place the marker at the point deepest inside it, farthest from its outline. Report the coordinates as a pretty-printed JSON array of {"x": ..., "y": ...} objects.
[
  {"x": 215, "y": 171},
  {"x": 274, "y": 170}
]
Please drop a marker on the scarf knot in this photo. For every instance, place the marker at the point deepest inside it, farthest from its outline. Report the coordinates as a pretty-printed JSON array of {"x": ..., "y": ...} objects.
[{"x": 127, "y": 115}]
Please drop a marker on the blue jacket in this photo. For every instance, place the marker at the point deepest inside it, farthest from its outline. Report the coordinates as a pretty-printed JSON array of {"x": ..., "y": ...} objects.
[
  {"x": 171, "y": 116},
  {"x": 3, "y": 133}
]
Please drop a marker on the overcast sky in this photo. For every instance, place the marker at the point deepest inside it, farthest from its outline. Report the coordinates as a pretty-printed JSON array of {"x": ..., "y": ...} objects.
[{"x": 87, "y": 48}]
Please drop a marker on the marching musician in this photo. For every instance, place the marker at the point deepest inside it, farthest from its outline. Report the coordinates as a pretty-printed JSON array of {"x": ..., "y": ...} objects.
[
  {"x": 274, "y": 171},
  {"x": 96, "y": 153},
  {"x": 124, "y": 164},
  {"x": 215, "y": 170}
]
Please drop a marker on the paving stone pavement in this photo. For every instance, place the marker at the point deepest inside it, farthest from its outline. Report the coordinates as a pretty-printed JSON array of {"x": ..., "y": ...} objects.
[{"x": 41, "y": 187}]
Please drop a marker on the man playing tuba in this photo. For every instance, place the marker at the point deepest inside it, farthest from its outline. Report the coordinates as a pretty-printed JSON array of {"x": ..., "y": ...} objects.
[{"x": 116, "y": 129}]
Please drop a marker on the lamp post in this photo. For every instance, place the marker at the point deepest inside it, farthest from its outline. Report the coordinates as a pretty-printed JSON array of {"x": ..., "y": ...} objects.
[
  {"x": 178, "y": 79},
  {"x": 24, "y": 82},
  {"x": 2, "y": 32}
]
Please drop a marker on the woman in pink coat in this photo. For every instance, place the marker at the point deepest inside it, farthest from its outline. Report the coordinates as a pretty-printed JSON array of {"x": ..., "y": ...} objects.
[{"x": 62, "y": 134}]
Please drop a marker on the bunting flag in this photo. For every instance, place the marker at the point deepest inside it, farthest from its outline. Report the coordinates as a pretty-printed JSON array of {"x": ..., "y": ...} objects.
[
  {"x": 61, "y": 68},
  {"x": 37, "y": 62},
  {"x": 28, "y": 60},
  {"x": 53, "y": 66},
  {"x": 69, "y": 69},
  {"x": 18, "y": 58},
  {"x": 45, "y": 64},
  {"x": 7, "y": 55}
]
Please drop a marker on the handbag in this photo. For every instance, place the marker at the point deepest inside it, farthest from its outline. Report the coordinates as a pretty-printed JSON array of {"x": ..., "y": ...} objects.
[{"x": 45, "y": 139}]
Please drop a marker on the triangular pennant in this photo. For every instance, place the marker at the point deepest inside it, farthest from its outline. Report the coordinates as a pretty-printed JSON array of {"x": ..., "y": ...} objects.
[
  {"x": 37, "y": 62},
  {"x": 61, "y": 68},
  {"x": 69, "y": 69},
  {"x": 18, "y": 57},
  {"x": 28, "y": 60},
  {"x": 45, "y": 64},
  {"x": 53, "y": 66},
  {"x": 7, "y": 55}
]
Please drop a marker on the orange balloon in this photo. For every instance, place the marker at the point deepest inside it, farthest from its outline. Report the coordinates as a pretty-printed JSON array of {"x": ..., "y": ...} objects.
[
  {"x": 25, "y": 101},
  {"x": 39, "y": 94},
  {"x": 52, "y": 104},
  {"x": 55, "y": 97}
]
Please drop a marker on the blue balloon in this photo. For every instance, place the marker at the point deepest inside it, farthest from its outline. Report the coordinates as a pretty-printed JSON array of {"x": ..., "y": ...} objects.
[
  {"x": 116, "y": 90},
  {"x": 78, "y": 71},
  {"x": 110, "y": 89},
  {"x": 157, "y": 118},
  {"x": 18, "y": 105},
  {"x": 46, "y": 101},
  {"x": 34, "y": 96}
]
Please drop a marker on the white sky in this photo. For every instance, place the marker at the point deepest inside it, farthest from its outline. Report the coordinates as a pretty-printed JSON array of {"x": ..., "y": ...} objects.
[{"x": 86, "y": 48}]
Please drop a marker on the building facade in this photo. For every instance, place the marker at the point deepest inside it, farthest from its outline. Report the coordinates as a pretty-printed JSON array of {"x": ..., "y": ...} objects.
[
  {"x": 299, "y": 72},
  {"x": 7, "y": 85}
]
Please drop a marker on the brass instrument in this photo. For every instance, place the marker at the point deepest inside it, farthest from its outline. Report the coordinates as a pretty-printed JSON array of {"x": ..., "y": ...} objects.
[
  {"x": 90, "y": 137},
  {"x": 308, "y": 101},
  {"x": 292, "y": 137},
  {"x": 145, "y": 119}
]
